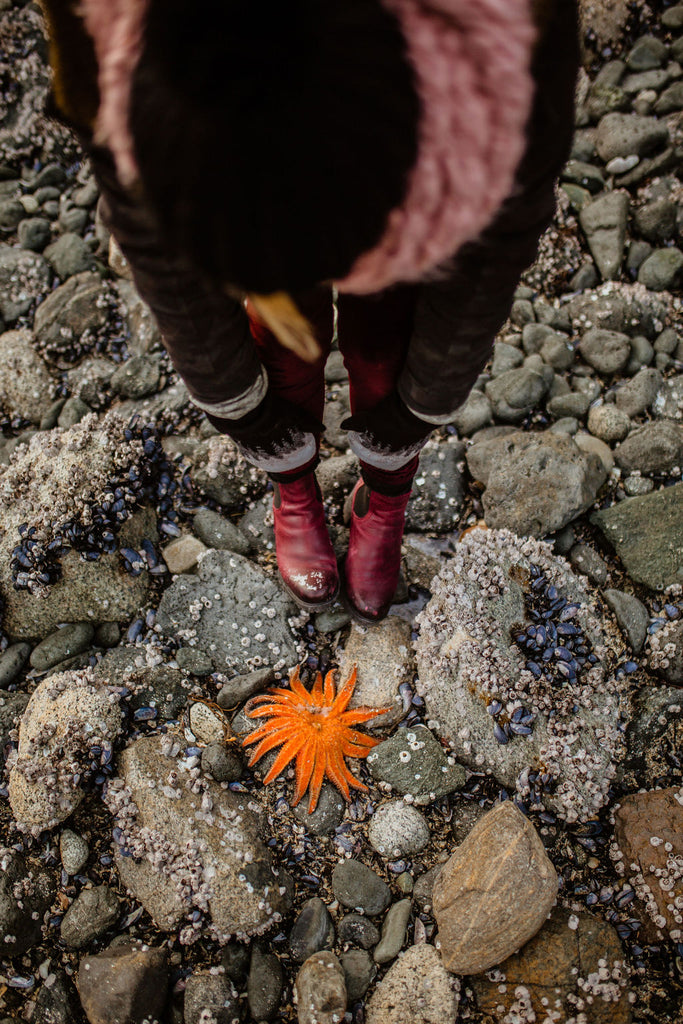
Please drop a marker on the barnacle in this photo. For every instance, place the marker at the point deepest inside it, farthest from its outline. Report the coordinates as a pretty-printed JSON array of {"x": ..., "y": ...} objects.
[{"x": 315, "y": 728}]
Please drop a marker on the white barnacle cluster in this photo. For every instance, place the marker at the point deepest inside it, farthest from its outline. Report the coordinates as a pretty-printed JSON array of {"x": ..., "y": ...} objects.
[
  {"x": 663, "y": 646},
  {"x": 659, "y": 886},
  {"x": 66, "y": 733},
  {"x": 479, "y": 649}
]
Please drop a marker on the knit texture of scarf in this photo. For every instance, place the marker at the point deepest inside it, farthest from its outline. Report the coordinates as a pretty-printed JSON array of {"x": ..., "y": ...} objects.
[{"x": 471, "y": 60}]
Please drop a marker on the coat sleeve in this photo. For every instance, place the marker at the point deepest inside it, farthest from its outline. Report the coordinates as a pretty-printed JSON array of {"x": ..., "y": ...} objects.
[
  {"x": 458, "y": 317},
  {"x": 205, "y": 330}
]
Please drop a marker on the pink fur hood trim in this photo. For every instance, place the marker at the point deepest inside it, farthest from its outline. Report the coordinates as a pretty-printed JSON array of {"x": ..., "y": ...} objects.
[
  {"x": 117, "y": 30},
  {"x": 472, "y": 65}
]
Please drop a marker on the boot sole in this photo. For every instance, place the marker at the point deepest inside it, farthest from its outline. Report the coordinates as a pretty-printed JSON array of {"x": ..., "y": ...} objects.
[{"x": 311, "y": 606}]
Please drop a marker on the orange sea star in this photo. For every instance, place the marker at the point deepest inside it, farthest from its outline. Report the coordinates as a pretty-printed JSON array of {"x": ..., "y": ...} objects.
[{"x": 316, "y": 729}]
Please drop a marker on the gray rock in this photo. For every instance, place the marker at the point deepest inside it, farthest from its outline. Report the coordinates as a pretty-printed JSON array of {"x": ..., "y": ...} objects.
[
  {"x": 328, "y": 814},
  {"x": 393, "y": 932},
  {"x": 475, "y": 412},
  {"x": 662, "y": 270},
  {"x": 647, "y": 535},
  {"x": 257, "y": 525},
  {"x": 606, "y": 351},
  {"x": 241, "y": 688},
  {"x": 212, "y": 857},
  {"x": 586, "y": 277},
  {"x": 137, "y": 377},
  {"x": 574, "y": 404},
  {"x": 222, "y": 763},
  {"x": 357, "y": 887},
  {"x": 69, "y": 640},
  {"x": 642, "y": 354},
  {"x": 556, "y": 352},
  {"x": 144, "y": 330},
  {"x": 604, "y": 223},
  {"x": 398, "y": 830},
  {"x": 42, "y": 480},
  {"x": 66, "y": 715},
  {"x": 522, "y": 312},
  {"x": 666, "y": 653},
  {"x": 69, "y": 255},
  {"x": 667, "y": 341},
  {"x": 210, "y": 997},
  {"x": 384, "y": 659},
  {"x": 584, "y": 175},
  {"x": 655, "y": 719},
  {"x": 26, "y": 387},
  {"x": 56, "y": 1003},
  {"x": 320, "y": 990},
  {"x": 34, "y": 233},
  {"x": 160, "y": 686},
  {"x": 72, "y": 412},
  {"x": 89, "y": 916},
  {"x": 632, "y": 616},
  {"x": 357, "y": 930},
  {"x": 413, "y": 761},
  {"x": 12, "y": 662},
  {"x": 589, "y": 563},
  {"x": 332, "y": 619},
  {"x": 194, "y": 662},
  {"x": 223, "y": 474},
  {"x": 337, "y": 410},
  {"x": 21, "y": 919},
  {"x": 670, "y": 100},
  {"x": 337, "y": 477},
  {"x": 468, "y": 660},
  {"x": 638, "y": 252},
  {"x": 505, "y": 357},
  {"x": 637, "y": 484},
  {"x": 12, "y": 707},
  {"x": 540, "y": 482},
  {"x": 73, "y": 850},
  {"x": 313, "y": 931},
  {"x": 647, "y": 52},
  {"x": 123, "y": 983},
  {"x": 656, "y": 221},
  {"x": 603, "y": 99},
  {"x": 516, "y": 393},
  {"x": 237, "y": 591},
  {"x": 359, "y": 973},
  {"x": 219, "y": 532},
  {"x": 11, "y": 212},
  {"x": 265, "y": 985},
  {"x": 24, "y": 277},
  {"x": 624, "y": 134},
  {"x": 668, "y": 402},
  {"x": 654, "y": 448},
  {"x": 439, "y": 489},
  {"x": 638, "y": 394},
  {"x": 416, "y": 988},
  {"x": 494, "y": 893},
  {"x": 533, "y": 337},
  {"x": 608, "y": 422},
  {"x": 77, "y": 307},
  {"x": 673, "y": 17}
]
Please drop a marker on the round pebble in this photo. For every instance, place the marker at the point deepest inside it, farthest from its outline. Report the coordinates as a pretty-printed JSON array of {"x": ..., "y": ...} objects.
[
  {"x": 398, "y": 830},
  {"x": 357, "y": 886}
]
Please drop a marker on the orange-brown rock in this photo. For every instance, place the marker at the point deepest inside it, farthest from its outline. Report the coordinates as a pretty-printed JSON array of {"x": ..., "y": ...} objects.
[
  {"x": 648, "y": 832},
  {"x": 494, "y": 893},
  {"x": 573, "y": 966}
]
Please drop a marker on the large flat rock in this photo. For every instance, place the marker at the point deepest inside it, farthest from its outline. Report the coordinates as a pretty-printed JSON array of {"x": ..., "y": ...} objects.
[
  {"x": 647, "y": 534},
  {"x": 233, "y": 612}
]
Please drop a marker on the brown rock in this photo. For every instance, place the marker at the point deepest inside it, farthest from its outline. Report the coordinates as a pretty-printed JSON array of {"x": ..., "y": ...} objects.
[
  {"x": 574, "y": 965},
  {"x": 494, "y": 893},
  {"x": 648, "y": 832},
  {"x": 123, "y": 985},
  {"x": 320, "y": 990}
]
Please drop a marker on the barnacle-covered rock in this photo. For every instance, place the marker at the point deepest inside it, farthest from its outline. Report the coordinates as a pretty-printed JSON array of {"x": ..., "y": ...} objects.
[
  {"x": 66, "y": 733},
  {"x": 68, "y": 500},
  {"x": 189, "y": 849},
  {"x": 517, "y": 667}
]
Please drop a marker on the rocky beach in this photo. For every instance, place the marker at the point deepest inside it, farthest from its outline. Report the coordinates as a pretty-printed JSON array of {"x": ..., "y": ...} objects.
[{"x": 516, "y": 855}]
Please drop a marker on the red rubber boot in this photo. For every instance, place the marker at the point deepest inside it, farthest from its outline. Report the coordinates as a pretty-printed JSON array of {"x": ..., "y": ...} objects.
[
  {"x": 373, "y": 561},
  {"x": 305, "y": 556}
]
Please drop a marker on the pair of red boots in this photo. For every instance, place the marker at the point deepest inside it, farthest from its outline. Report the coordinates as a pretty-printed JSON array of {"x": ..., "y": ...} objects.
[{"x": 306, "y": 559}]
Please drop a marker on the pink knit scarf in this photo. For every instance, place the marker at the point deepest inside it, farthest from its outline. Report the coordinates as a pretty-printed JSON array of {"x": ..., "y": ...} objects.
[{"x": 472, "y": 65}]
